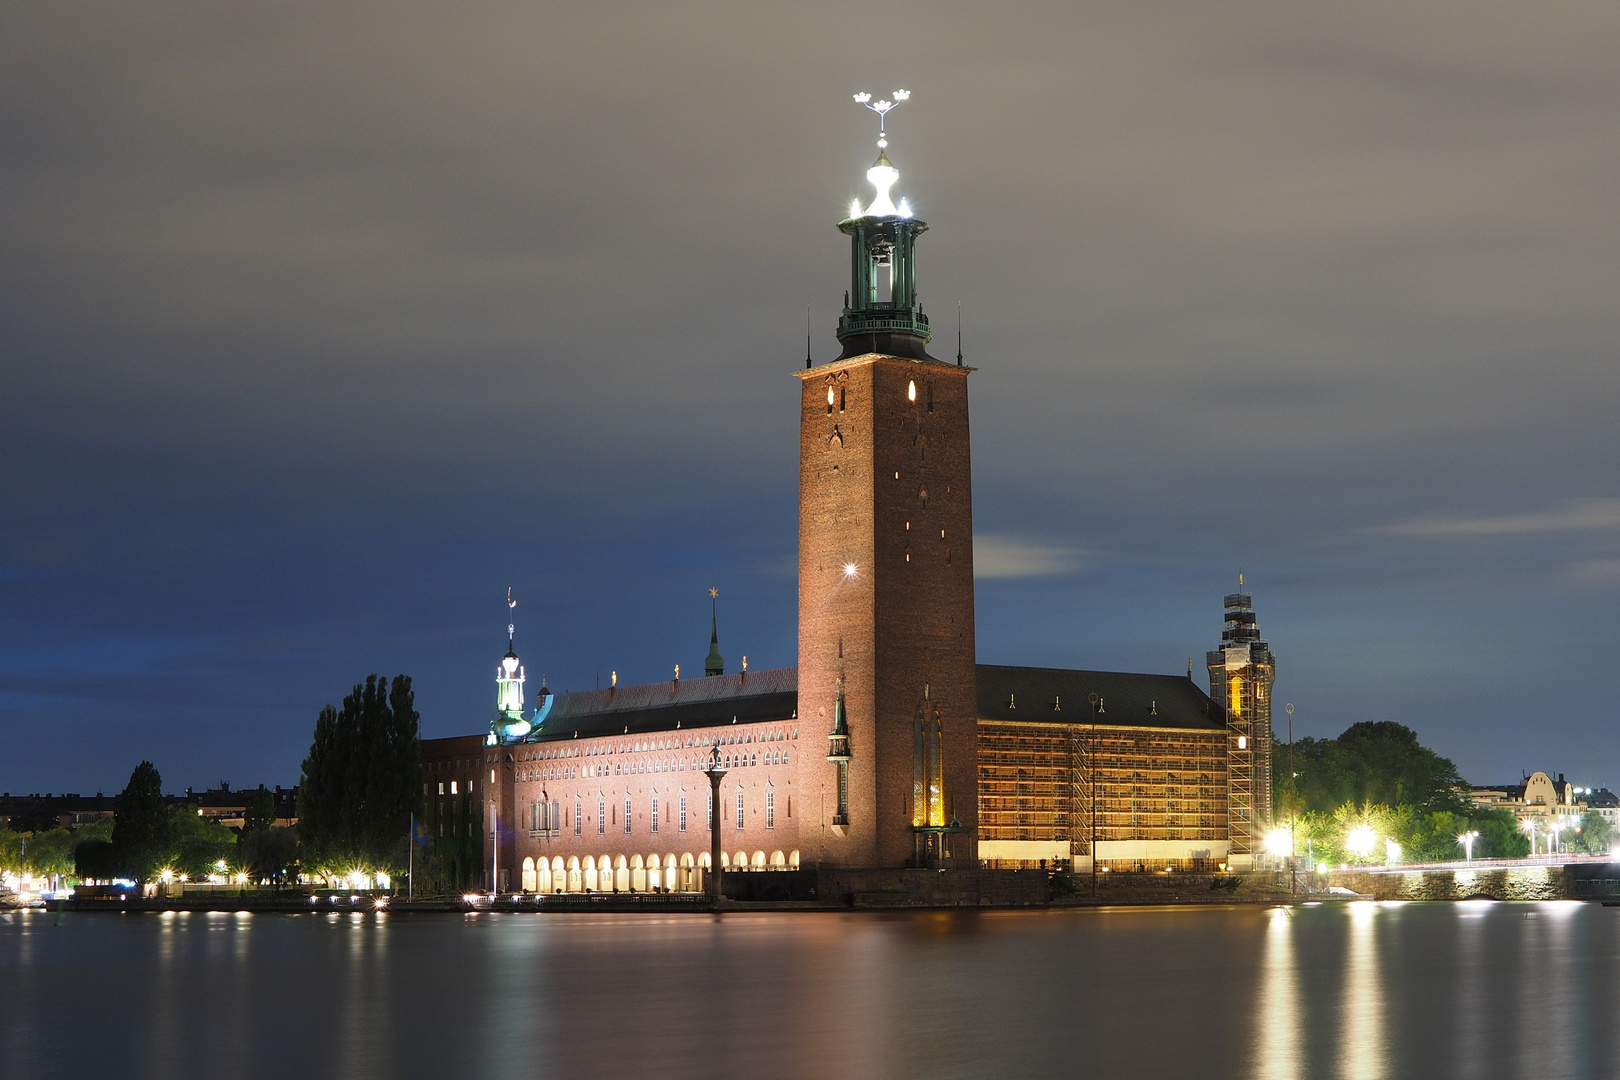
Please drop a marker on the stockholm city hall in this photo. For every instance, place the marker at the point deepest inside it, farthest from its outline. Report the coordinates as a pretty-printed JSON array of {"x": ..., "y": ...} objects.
[{"x": 888, "y": 745}]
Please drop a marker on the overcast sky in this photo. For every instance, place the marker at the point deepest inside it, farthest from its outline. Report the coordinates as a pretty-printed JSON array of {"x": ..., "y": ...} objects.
[{"x": 323, "y": 324}]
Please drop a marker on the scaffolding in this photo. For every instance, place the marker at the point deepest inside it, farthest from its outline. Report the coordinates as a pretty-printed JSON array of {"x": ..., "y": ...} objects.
[{"x": 1241, "y": 673}]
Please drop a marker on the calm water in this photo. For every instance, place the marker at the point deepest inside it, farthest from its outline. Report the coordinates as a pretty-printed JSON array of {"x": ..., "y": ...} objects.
[{"x": 1361, "y": 990}]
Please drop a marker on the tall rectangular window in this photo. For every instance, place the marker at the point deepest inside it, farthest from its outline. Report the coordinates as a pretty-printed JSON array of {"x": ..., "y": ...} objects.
[
  {"x": 578, "y": 806},
  {"x": 739, "y": 807},
  {"x": 601, "y": 815},
  {"x": 628, "y": 810},
  {"x": 655, "y": 813},
  {"x": 683, "y": 811},
  {"x": 770, "y": 808}
]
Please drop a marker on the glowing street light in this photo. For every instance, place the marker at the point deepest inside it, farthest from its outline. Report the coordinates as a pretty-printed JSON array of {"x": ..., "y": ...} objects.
[
  {"x": 1467, "y": 841},
  {"x": 1529, "y": 826},
  {"x": 1280, "y": 843},
  {"x": 1361, "y": 841},
  {"x": 1392, "y": 852}
]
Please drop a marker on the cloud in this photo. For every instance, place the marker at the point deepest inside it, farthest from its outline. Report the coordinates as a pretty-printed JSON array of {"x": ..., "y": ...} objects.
[
  {"x": 1580, "y": 514},
  {"x": 996, "y": 556},
  {"x": 1596, "y": 572}
]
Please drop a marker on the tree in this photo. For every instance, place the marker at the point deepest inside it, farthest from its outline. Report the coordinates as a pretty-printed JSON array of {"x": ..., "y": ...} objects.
[
  {"x": 51, "y": 851},
  {"x": 1596, "y": 834},
  {"x": 261, "y": 811},
  {"x": 1499, "y": 835},
  {"x": 200, "y": 844},
  {"x": 1371, "y": 763},
  {"x": 96, "y": 859},
  {"x": 269, "y": 854},
  {"x": 362, "y": 780},
  {"x": 143, "y": 829}
]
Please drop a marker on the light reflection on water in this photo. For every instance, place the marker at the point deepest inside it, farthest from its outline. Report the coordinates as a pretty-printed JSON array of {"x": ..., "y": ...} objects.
[
  {"x": 1279, "y": 1047},
  {"x": 1362, "y": 1052},
  {"x": 1341, "y": 991}
]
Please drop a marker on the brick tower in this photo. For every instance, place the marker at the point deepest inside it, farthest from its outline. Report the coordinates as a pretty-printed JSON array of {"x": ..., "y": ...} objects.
[{"x": 886, "y": 647}]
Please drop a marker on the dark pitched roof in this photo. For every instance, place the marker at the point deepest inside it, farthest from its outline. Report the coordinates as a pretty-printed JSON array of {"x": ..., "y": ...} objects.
[
  {"x": 1060, "y": 695},
  {"x": 1005, "y": 693},
  {"x": 752, "y": 697},
  {"x": 1604, "y": 798}
]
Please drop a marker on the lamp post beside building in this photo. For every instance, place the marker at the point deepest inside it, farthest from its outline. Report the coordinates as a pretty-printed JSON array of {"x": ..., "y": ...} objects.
[{"x": 1293, "y": 859}]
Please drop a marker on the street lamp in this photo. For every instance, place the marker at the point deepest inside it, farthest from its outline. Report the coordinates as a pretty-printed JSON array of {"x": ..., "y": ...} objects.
[
  {"x": 1529, "y": 826},
  {"x": 1293, "y": 860},
  {"x": 1554, "y": 827},
  {"x": 1467, "y": 841}
]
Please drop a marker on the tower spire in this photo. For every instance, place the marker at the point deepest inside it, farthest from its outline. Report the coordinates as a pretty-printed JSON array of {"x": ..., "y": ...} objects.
[{"x": 714, "y": 665}]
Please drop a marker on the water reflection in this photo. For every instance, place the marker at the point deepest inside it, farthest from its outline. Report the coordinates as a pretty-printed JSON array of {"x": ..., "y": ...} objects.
[
  {"x": 1361, "y": 1033},
  {"x": 1278, "y": 1050},
  {"x": 1497, "y": 990}
]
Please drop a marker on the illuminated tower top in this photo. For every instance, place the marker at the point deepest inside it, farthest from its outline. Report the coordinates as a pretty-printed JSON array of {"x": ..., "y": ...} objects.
[
  {"x": 509, "y": 722},
  {"x": 881, "y": 312}
]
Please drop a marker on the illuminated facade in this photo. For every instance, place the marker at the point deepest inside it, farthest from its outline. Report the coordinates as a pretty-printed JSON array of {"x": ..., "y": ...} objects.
[
  {"x": 887, "y": 745},
  {"x": 1548, "y": 810}
]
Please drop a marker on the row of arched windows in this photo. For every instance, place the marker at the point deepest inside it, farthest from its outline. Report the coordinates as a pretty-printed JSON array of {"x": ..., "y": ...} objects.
[{"x": 641, "y": 873}]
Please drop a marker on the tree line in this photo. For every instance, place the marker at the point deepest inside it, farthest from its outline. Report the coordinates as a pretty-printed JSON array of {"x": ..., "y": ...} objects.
[
  {"x": 361, "y": 785},
  {"x": 1377, "y": 781}
]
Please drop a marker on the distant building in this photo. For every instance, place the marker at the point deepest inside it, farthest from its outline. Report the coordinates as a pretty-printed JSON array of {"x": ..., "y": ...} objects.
[
  {"x": 1606, "y": 803},
  {"x": 1553, "y": 807},
  {"x": 37, "y": 813},
  {"x": 33, "y": 813},
  {"x": 229, "y": 808}
]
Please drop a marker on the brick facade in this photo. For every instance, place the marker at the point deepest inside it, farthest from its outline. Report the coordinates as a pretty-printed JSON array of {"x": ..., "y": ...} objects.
[{"x": 885, "y": 489}]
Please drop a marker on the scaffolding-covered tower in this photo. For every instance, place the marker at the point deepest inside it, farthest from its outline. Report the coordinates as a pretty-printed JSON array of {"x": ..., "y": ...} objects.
[{"x": 1241, "y": 672}]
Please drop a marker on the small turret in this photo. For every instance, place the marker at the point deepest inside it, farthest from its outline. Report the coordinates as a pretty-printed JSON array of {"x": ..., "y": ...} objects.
[{"x": 838, "y": 754}]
